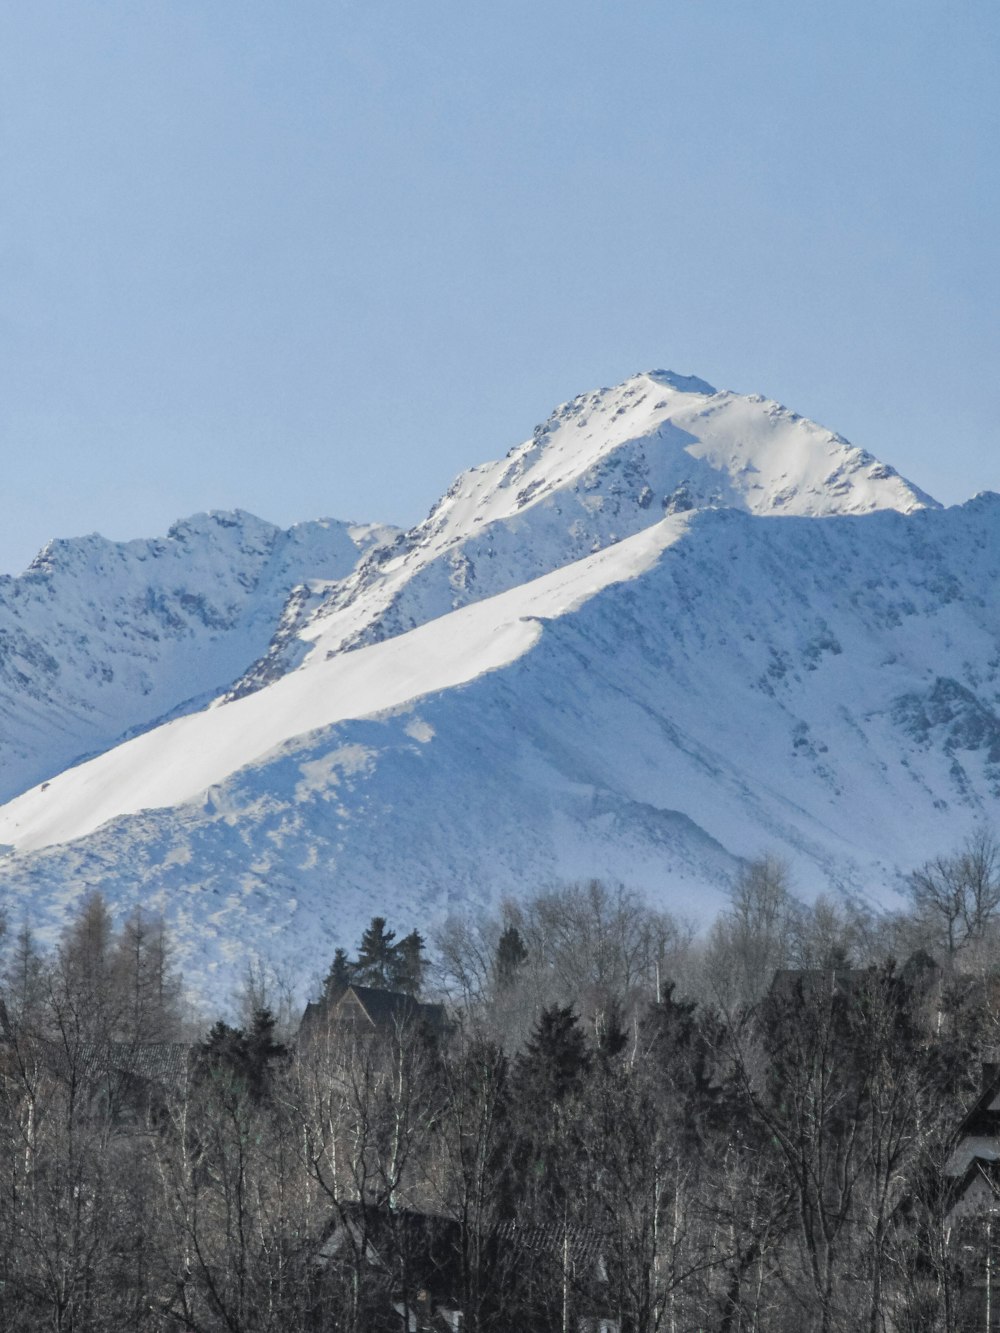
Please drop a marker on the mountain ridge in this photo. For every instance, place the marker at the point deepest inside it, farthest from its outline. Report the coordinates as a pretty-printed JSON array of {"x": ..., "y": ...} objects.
[
  {"x": 601, "y": 467},
  {"x": 686, "y": 683},
  {"x": 100, "y": 638}
]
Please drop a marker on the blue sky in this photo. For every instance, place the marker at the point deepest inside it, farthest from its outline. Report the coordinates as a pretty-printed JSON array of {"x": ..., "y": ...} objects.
[{"x": 315, "y": 257}]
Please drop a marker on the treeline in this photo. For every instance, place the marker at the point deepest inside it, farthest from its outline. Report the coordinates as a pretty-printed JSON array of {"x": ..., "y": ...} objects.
[{"x": 618, "y": 1121}]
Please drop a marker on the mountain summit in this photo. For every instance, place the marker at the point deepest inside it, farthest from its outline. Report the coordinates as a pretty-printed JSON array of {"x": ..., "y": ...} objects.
[
  {"x": 671, "y": 630},
  {"x": 601, "y": 468}
]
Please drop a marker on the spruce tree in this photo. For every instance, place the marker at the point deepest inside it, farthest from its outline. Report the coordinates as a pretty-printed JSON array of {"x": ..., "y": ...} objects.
[
  {"x": 339, "y": 977},
  {"x": 376, "y": 963},
  {"x": 555, "y": 1057},
  {"x": 510, "y": 956},
  {"x": 410, "y": 962}
]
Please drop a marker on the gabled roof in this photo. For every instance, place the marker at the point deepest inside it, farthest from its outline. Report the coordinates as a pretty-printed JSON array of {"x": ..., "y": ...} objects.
[
  {"x": 976, "y": 1191},
  {"x": 389, "y": 1008},
  {"x": 983, "y": 1118},
  {"x": 385, "y": 1010},
  {"x": 432, "y": 1244}
]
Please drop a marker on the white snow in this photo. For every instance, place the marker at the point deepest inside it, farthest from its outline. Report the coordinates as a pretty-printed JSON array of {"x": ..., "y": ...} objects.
[
  {"x": 673, "y": 629},
  {"x": 101, "y": 638},
  {"x": 603, "y": 467},
  {"x": 175, "y": 762}
]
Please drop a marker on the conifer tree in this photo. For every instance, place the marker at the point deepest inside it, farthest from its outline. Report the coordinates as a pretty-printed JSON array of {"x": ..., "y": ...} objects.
[
  {"x": 339, "y": 977},
  {"x": 376, "y": 963},
  {"x": 409, "y": 963},
  {"x": 510, "y": 956},
  {"x": 555, "y": 1058}
]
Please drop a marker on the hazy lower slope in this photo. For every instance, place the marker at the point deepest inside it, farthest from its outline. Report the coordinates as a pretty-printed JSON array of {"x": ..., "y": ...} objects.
[
  {"x": 98, "y": 638},
  {"x": 718, "y": 683}
]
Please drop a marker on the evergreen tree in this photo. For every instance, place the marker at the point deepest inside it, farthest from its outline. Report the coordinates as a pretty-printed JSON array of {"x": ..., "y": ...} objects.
[
  {"x": 224, "y": 1049},
  {"x": 510, "y": 956},
  {"x": 261, "y": 1049},
  {"x": 409, "y": 963},
  {"x": 610, "y": 1032},
  {"x": 555, "y": 1058},
  {"x": 242, "y": 1058},
  {"x": 376, "y": 963},
  {"x": 339, "y": 977},
  {"x": 549, "y": 1087}
]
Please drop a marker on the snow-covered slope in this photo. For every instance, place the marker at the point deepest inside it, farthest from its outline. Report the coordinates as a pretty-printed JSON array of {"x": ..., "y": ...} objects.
[
  {"x": 713, "y": 686},
  {"x": 673, "y": 630},
  {"x": 98, "y": 638},
  {"x": 603, "y": 467}
]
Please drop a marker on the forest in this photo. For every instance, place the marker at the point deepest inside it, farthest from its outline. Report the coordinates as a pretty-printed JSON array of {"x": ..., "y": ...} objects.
[{"x": 572, "y": 1114}]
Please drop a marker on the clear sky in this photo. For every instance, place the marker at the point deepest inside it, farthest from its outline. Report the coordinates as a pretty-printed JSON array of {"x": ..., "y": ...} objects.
[{"x": 314, "y": 257}]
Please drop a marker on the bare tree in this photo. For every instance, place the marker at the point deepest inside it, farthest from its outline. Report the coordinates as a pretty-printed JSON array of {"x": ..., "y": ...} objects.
[
  {"x": 956, "y": 897},
  {"x": 755, "y": 936}
]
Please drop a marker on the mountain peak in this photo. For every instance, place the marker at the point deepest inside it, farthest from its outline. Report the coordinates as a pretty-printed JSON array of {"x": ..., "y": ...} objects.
[
  {"x": 670, "y": 379},
  {"x": 604, "y": 466}
]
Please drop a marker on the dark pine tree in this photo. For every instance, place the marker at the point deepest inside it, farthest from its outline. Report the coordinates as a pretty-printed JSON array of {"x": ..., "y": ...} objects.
[
  {"x": 510, "y": 957},
  {"x": 409, "y": 963},
  {"x": 376, "y": 963},
  {"x": 241, "y": 1060},
  {"x": 222, "y": 1056},
  {"x": 610, "y": 1032},
  {"x": 261, "y": 1049},
  {"x": 550, "y": 1086},
  {"x": 555, "y": 1058},
  {"x": 339, "y": 977}
]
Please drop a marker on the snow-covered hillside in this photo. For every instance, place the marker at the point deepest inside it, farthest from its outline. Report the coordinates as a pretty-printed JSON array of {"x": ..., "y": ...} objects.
[
  {"x": 100, "y": 638},
  {"x": 707, "y": 628}
]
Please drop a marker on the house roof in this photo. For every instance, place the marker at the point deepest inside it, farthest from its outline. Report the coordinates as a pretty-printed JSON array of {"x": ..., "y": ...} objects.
[
  {"x": 982, "y": 1120},
  {"x": 976, "y": 1191},
  {"x": 584, "y": 1247},
  {"x": 386, "y": 1010},
  {"x": 157, "y": 1062},
  {"x": 433, "y": 1246},
  {"x": 431, "y": 1243}
]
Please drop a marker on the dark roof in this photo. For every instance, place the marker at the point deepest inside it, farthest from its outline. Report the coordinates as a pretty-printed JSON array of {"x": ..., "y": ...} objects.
[
  {"x": 553, "y": 1239},
  {"x": 433, "y": 1245},
  {"x": 979, "y": 1167},
  {"x": 979, "y": 1120},
  {"x": 386, "y": 1010}
]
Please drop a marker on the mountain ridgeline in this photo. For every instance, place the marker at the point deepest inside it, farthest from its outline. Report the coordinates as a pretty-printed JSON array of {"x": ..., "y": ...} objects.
[{"x": 673, "y": 628}]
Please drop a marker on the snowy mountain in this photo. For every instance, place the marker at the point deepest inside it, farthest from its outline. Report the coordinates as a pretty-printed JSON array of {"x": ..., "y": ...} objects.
[
  {"x": 674, "y": 629},
  {"x": 100, "y": 638},
  {"x": 602, "y": 467}
]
